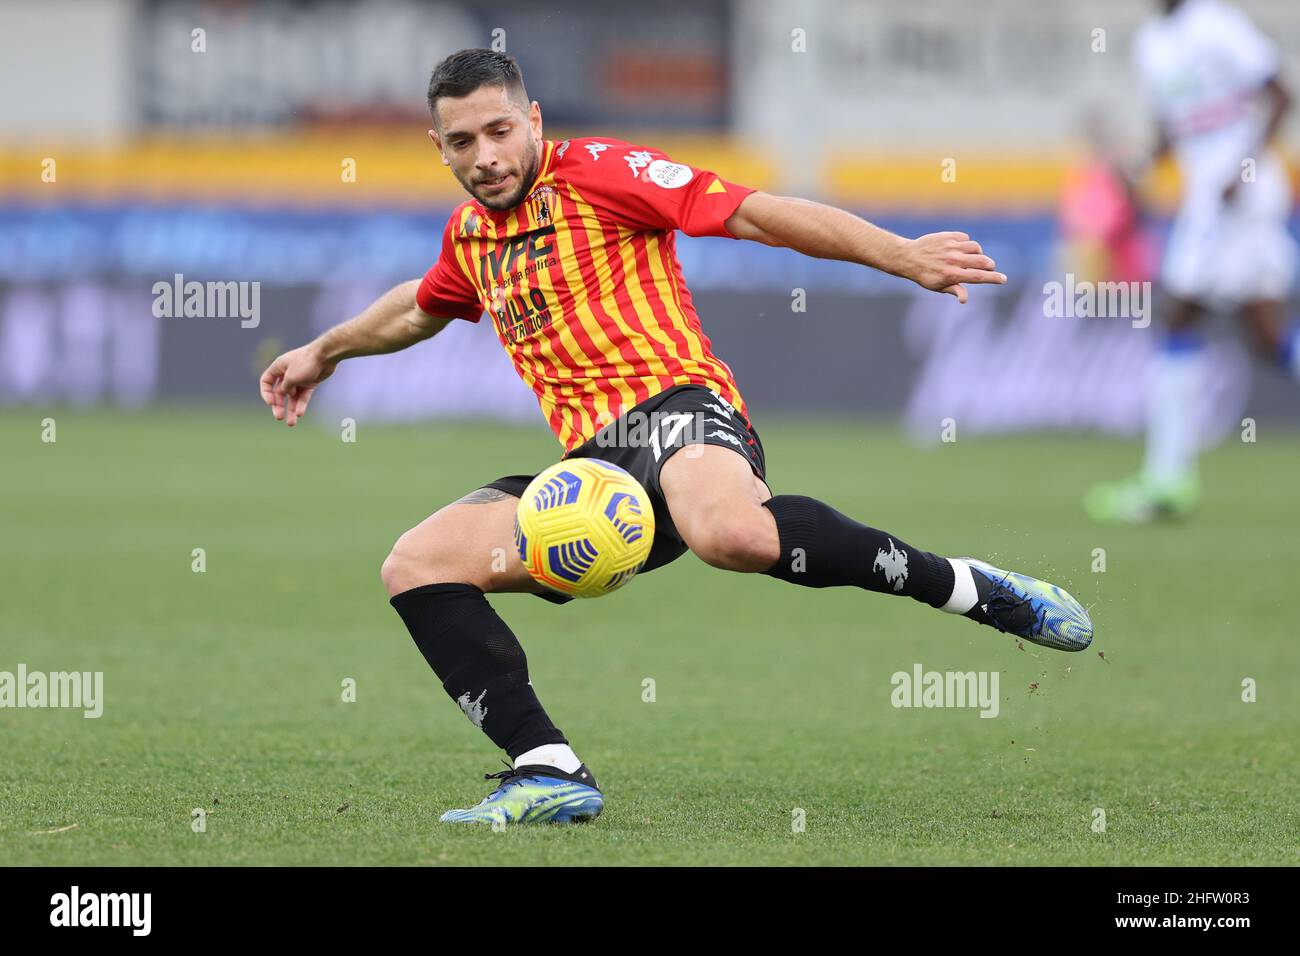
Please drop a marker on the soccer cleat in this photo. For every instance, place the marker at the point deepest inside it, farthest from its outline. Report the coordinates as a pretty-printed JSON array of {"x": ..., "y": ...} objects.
[
  {"x": 1137, "y": 501},
  {"x": 1028, "y": 608},
  {"x": 535, "y": 794}
]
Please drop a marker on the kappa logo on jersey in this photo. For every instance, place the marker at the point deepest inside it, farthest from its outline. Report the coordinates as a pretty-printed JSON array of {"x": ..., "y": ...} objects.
[
  {"x": 470, "y": 228},
  {"x": 563, "y": 148},
  {"x": 669, "y": 175},
  {"x": 474, "y": 709},
  {"x": 596, "y": 149},
  {"x": 720, "y": 411},
  {"x": 894, "y": 564},
  {"x": 726, "y": 436},
  {"x": 637, "y": 160}
]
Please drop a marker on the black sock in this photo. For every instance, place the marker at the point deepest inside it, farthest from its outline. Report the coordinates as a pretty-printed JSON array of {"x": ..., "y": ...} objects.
[
  {"x": 821, "y": 548},
  {"x": 480, "y": 663}
]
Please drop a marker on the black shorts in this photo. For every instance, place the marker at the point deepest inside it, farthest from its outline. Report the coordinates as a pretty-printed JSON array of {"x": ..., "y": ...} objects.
[{"x": 645, "y": 437}]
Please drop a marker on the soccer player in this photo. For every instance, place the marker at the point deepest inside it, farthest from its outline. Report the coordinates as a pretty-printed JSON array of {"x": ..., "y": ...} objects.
[
  {"x": 1213, "y": 80},
  {"x": 569, "y": 247}
]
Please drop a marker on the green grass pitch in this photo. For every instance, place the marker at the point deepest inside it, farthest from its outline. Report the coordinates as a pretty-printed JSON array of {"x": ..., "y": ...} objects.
[{"x": 223, "y": 689}]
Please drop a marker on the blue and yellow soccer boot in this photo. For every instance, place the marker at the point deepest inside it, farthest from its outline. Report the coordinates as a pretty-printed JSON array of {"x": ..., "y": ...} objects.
[
  {"x": 1138, "y": 501},
  {"x": 535, "y": 794},
  {"x": 1028, "y": 608}
]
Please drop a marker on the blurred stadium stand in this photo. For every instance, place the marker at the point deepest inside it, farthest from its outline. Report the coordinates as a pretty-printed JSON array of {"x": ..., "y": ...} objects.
[{"x": 225, "y": 165}]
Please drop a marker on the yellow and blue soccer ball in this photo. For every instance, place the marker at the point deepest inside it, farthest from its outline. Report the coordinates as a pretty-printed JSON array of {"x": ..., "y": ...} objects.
[{"x": 584, "y": 527}]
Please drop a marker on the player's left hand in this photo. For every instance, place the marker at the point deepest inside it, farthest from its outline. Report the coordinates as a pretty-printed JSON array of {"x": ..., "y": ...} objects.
[
  {"x": 945, "y": 261},
  {"x": 288, "y": 382}
]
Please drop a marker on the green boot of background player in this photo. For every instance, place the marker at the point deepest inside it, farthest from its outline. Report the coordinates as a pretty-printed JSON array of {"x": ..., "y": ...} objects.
[{"x": 1139, "y": 501}]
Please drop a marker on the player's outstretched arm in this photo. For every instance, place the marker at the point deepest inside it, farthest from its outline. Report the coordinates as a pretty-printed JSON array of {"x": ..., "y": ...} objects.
[
  {"x": 940, "y": 261},
  {"x": 392, "y": 322}
]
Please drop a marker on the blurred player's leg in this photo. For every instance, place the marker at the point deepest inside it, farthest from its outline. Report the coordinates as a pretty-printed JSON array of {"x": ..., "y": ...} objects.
[
  {"x": 1175, "y": 388},
  {"x": 437, "y": 576},
  {"x": 730, "y": 519},
  {"x": 1273, "y": 335},
  {"x": 1263, "y": 265},
  {"x": 1167, "y": 485}
]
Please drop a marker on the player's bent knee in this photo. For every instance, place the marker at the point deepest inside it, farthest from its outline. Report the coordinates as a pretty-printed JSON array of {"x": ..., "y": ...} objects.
[
  {"x": 742, "y": 542},
  {"x": 418, "y": 558},
  {"x": 400, "y": 570}
]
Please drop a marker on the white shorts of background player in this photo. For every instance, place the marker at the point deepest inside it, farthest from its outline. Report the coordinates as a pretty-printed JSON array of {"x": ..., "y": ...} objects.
[{"x": 1224, "y": 254}]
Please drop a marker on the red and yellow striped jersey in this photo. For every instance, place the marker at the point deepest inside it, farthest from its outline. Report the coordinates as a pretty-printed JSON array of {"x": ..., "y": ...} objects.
[{"x": 582, "y": 280}]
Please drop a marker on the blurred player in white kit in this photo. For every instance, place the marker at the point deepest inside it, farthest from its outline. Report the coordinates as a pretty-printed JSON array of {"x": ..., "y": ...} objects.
[{"x": 1213, "y": 81}]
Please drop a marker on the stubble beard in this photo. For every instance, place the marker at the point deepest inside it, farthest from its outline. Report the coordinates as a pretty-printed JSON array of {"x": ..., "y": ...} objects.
[{"x": 502, "y": 203}]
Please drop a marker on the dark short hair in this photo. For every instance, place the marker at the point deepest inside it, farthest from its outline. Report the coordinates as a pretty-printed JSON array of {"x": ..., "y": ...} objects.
[{"x": 466, "y": 70}]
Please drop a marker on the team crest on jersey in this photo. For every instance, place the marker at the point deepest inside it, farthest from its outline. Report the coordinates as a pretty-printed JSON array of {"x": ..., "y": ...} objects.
[{"x": 544, "y": 196}]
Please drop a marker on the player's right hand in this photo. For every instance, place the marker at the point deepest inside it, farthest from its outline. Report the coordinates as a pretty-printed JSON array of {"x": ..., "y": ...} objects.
[
  {"x": 289, "y": 381},
  {"x": 946, "y": 262}
]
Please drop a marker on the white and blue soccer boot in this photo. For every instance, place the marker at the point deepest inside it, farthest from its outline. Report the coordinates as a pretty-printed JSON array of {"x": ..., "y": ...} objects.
[
  {"x": 1028, "y": 608},
  {"x": 535, "y": 794}
]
